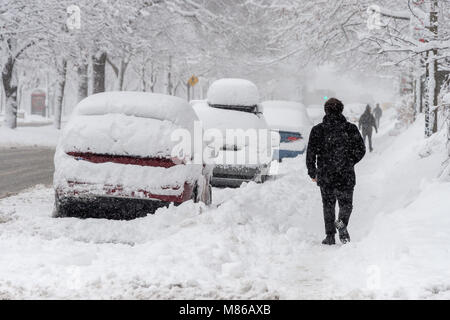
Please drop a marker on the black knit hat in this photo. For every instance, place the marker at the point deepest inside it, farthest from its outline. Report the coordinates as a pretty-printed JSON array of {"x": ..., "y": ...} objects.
[{"x": 334, "y": 106}]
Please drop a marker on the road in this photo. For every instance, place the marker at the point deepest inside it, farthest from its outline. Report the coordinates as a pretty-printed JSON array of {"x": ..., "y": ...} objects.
[{"x": 22, "y": 168}]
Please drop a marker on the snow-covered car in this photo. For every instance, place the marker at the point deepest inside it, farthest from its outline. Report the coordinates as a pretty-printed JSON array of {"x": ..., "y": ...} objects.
[
  {"x": 194, "y": 102},
  {"x": 115, "y": 157},
  {"x": 292, "y": 122},
  {"x": 316, "y": 112},
  {"x": 233, "y": 105}
]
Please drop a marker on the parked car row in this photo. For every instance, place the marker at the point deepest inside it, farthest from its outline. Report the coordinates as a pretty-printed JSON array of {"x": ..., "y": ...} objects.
[{"x": 116, "y": 159}]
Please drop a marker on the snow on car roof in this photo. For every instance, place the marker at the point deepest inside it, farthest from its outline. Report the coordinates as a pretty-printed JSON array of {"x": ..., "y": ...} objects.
[
  {"x": 214, "y": 118},
  {"x": 233, "y": 92},
  {"x": 139, "y": 104},
  {"x": 286, "y": 115}
]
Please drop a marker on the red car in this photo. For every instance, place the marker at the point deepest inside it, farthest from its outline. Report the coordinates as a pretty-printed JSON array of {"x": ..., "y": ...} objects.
[{"x": 115, "y": 158}]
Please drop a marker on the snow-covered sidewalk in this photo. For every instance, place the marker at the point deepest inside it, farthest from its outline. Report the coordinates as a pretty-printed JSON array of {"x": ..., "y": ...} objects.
[
  {"x": 45, "y": 136},
  {"x": 259, "y": 241}
]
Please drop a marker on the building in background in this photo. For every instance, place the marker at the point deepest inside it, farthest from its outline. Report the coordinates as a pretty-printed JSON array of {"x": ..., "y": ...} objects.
[{"x": 38, "y": 105}]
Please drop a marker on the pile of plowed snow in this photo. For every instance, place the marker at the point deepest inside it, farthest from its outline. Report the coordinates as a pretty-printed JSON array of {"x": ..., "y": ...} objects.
[{"x": 259, "y": 241}]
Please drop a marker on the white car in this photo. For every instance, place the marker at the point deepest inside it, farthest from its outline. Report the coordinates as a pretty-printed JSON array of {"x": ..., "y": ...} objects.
[
  {"x": 233, "y": 111},
  {"x": 292, "y": 122},
  {"x": 316, "y": 113},
  {"x": 115, "y": 157}
]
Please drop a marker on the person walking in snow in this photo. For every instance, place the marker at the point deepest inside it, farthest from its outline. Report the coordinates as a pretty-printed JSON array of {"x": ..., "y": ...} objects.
[
  {"x": 378, "y": 113},
  {"x": 334, "y": 147},
  {"x": 366, "y": 123}
]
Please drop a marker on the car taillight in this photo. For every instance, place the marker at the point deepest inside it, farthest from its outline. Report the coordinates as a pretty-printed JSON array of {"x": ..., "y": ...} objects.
[{"x": 293, "y": 138}]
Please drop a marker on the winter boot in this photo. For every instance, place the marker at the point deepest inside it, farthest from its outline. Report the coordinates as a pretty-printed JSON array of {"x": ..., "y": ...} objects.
[
  {"x": 329, "y": 240},
  {"x": 344, "y": 236}
]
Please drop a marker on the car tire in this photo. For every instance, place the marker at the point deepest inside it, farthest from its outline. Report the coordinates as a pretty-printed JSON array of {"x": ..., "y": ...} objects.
[
  {"x": 194, "y": 196},
  {"x": 209, "y": 198},
  {"x": 56, "y": 208}
]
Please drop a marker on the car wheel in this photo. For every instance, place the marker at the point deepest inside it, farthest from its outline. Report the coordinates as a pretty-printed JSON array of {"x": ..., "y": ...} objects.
[
  {"x": 194, "y": 196},
  {"x": 209, "y": 195},
  {"x": 57, "y": 208}
]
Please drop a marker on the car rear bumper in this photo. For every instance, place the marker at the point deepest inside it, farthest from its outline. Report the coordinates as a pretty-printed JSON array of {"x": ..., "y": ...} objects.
[
  {"x": 89, "y": 190},
  {"x": 283, "y": 154},
  {"x": 105, "y": 207},
  {"x": 234, "y": 176},
  {"x": 227, "y": 182}
]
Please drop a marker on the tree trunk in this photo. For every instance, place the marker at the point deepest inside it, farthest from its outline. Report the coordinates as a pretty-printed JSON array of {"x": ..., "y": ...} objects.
[
  {"x": 98, "y": 69},
  {"x": 435, "y": 93},
  {"x": 10, "y": 89},
  {"x": 143, "y": 80},
  {"x": 82, "y": 71},
  {"x": 169, "y": 84},
  {"x": 123, "y": 70},
  {"x": 434, "y": 63},
  {"x": 153, "y": 78},
  {"x": 431, "y": 112},
  {"x": 62, "y": 71}
]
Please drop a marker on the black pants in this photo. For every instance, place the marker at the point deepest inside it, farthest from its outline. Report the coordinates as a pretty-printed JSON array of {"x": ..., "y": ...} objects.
[
  {"x": 329, "y": 197},
  {"x": 368, "y": 135}
]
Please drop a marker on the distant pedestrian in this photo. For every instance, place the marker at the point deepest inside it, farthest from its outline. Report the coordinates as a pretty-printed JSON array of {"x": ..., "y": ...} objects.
[
  {"x": 378, "y": 113},
  {"x": 334, "y": 147},
  {"x": 366, "y": 123}
]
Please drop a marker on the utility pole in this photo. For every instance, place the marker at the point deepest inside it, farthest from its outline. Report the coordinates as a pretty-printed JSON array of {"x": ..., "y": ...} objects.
[{"x": 188, "y": 87}]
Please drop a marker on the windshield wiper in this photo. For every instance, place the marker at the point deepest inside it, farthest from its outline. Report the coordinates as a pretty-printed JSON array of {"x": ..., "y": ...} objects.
[{"x": 249, "y": 109}]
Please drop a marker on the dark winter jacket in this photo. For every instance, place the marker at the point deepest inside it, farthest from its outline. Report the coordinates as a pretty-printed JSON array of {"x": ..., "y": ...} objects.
[
  {"x": 334, "y": 147},
  {"x": 378, "y": 112},
  {"x": 367, "y": 122}
]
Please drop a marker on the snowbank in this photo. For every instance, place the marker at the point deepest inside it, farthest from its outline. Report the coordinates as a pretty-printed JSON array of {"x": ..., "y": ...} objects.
[
  {"x": 29, "y": 136},
  {"x": 401, "y": 218},
  {"x": 233, "y": 92},
  {"x": 31, "y": 119},
  {"x": 261, "y": 241}
]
